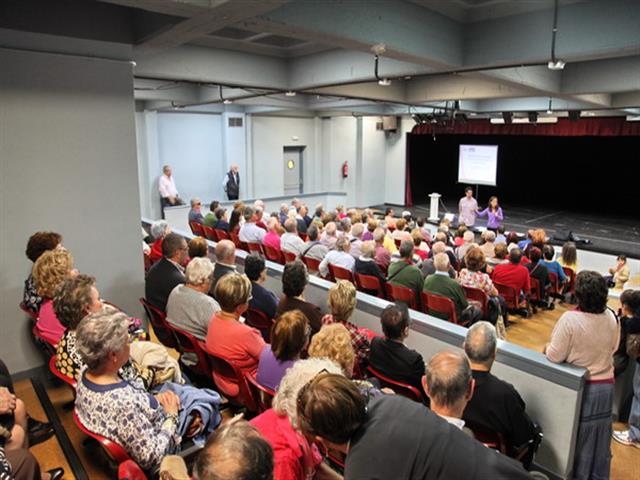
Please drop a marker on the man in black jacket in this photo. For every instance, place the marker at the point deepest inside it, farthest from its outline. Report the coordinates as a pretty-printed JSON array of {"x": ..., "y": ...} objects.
[
  {"x": 231, "y": 183},
  {"x": 168, "y": 272}
]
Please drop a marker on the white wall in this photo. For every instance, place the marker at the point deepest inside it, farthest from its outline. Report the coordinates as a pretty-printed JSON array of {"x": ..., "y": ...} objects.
[
  {"x": 395, "y": 165},
  {"x": 67, "y": 164},
  {"x": 371, "y": 181},
  {"x": 340, "y": 144}
]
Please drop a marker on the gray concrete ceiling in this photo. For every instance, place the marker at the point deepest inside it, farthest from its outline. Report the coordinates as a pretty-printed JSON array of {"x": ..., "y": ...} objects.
[{"x": 491, "y": 55}]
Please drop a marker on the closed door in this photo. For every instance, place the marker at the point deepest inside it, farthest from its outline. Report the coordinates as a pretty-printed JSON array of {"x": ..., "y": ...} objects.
[{"x": 293, "y": 170}]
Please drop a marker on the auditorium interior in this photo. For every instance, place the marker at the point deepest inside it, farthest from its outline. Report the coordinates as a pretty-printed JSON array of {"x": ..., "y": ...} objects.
[{"x": 357, "y": 105}]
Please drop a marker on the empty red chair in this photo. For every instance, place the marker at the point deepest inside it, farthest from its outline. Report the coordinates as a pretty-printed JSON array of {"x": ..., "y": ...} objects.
[
  {"x": 255, "y": 247},
  {"x": 162, "y": 329},
  {"x": 313, "y": 265},
  {"x": 289, "y": 256},
  {"x": 398, "y": 242},
  {"x": 196, "y": 229},
  {"x": 369, "y": 283},
  {"x": 190, "y": 344},
  {"x": 303, "y": 236},
  {"x": 400, "y": 388},
  {"x": 477, "y": 295},
  {"x": 235, "y": 238},
  {"x": 262, "y": 395},
  {"x": 260, "y": 321},
  {"x": 210, "y": 233},
  {"x": 401, "y": 294},
  {"x": 224, "y": 372},
  {"x": 274, "y": 254},
  {"x": 341, "y": 273},
  {"x": 442, "y": 305},
  {"x": 571, "y": 275},
  {"x": 222, "y": 234}
]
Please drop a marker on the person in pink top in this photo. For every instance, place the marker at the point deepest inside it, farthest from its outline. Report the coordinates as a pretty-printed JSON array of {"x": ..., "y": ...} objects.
[
  {"x": 587, "y": 337},
  {"x": 230, "y": 338},
  {"x": 272, "y": 238},
  {"x": 49, "y": 271}
]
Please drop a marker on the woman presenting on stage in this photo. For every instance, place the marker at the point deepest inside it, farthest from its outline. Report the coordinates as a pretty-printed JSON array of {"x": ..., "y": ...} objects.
[{"x": 494, "y": 213}]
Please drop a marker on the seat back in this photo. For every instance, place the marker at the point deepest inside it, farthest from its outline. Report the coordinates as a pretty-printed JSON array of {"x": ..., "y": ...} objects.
[
  {"x": 130, "y": 470},
  {"x": 190, "y": 344},
  {"x": 274, "y": 254},
  {"x": 260, "y": 321},
  {"x": 509, "y": 294},
  {"x": 398, "y": 242},
  {"x": 400, "y": 388},
  {"x": 68, "y": 380},
  {"x": 226, "y": 370},
  {"x": 235, "y": 238},
  {"x": 196, "y": 229},
  {"x": 313, "y": 264},
  {"x": 536, "y": 290},
  {"x": 255, "y": 247},
  {"x": 401, "y": 294},
  {"x": 303, "y": 236},
  {"x": 262, "y": 395},
  {"x": 555, "y": 283},
  {"x": 571, "y": 275},
  {"x": 114, "y": 451},
  {"x": 489, "y": 438},
  {"x": 370, "y": 283},
  {"x": 443, "y": 305},
  {"x": 289, "y": 256},
  {"x": 477, "y": 295},
  {"x": 210, "y": 233},
  {"x": 341, "y": 273},
  {"x": 222, "y": 234},
  {"x": 162, "y": 329}
]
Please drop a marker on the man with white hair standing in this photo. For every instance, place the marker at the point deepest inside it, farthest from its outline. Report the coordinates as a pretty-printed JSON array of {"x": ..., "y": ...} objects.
[
  {"x": 189, "y": 307},
  {"x": 496, "y": 405},
  {"x": 231, "y": 182}
]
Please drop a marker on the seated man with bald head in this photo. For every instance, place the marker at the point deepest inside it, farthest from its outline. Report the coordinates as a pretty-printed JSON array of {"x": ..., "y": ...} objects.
[
  {"x": 428, "y": 268},
  {"x": 290, "y": 240},
  {"x": 225, "y": 262},
  {"x": 496, "y": 404},
  {"x": 449, "y": 386},
  {"x": 236, "y": 450}
]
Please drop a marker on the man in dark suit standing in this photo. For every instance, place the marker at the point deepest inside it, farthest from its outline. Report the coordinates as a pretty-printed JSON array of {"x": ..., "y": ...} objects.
[
  {"x": 231, "y": 183},
  {"x": 168, "y": 272}
]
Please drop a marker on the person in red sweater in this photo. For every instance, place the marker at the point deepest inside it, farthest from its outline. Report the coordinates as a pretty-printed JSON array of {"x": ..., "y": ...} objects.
[{"x": 513, "y": 274}]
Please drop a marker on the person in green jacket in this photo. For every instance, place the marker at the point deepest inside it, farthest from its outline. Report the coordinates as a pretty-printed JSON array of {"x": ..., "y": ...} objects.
[
  {"x": 441, "y": 284},
  {"x": 404, "y": 273}
]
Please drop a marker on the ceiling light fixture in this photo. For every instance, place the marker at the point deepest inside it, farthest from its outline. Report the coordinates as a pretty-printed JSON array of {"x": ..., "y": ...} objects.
[
  {"x": 226, "y": 101},
  {"x": 549, "y": 109},
  {"x": 385, "y": 82},
  {"x": 555, "y": 63},
  {"x": 290, "y": 93},
  {"x": 378, "y": 49}
]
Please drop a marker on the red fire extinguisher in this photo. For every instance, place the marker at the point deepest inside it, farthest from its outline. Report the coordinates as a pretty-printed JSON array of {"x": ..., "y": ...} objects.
[{"x": 345, "y": 169}]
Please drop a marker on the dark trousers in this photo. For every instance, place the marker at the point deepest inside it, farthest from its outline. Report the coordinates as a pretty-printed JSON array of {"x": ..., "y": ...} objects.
[{"x": 24, "y": 464}]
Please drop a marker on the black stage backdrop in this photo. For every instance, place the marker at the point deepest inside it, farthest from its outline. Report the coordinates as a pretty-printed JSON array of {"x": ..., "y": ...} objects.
[{"x": 594, "y": 174}]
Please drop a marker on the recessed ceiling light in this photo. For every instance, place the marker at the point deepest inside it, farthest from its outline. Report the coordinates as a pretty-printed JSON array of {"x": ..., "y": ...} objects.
[
  {"x": 227, "y": 101},
  {"x": 555, "y": 65},
  {"x": 385, "y": 82},
  {"x": 290, "y": 93}
]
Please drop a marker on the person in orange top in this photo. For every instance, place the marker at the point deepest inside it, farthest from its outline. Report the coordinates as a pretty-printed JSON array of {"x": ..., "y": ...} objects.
[{"x": 227, "y": 336}]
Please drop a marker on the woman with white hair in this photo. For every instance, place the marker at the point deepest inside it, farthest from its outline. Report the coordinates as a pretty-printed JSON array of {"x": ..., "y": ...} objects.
[
  {"x": 147, "y": 426},
  {"x": 468, "y": 238},
  {"x": 159, "y": 229},
  {"x": 189, "y": 307},
  {"x": 295, "y": 458}
]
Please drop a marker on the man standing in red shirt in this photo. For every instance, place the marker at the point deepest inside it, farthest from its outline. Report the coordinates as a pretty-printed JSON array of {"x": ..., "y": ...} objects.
[{"x": 513, "y": 274}]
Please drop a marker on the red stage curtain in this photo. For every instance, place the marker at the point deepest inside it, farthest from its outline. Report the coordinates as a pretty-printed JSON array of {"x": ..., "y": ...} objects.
[{"x": 585, "y": 127}]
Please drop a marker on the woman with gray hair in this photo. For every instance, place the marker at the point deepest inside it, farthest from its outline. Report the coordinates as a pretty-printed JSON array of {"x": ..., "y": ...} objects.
[
  {"x": 147, "y": 426},
  {"x": 159, "y": 229},
  {"x": 294, "y": 456},
  {"x": 189, "y": 306}
]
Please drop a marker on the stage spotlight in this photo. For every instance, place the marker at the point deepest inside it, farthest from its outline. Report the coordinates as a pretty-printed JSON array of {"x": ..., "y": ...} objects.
[
  {"x": 574, "y": 115},
  {"x": 533, "y": 117},
  {"x": 507, "y": 117}
]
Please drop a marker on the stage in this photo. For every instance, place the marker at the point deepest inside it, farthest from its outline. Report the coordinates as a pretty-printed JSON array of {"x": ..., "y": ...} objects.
[{"x": 611, "y": 234}]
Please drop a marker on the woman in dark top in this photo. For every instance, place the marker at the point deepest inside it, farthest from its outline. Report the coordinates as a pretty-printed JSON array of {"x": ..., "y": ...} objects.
[
  {"x": 221, "y": 219},
  {"x": 539, "y": 271},
  {"x": 366, "y": 265},
  {"x": 234, "y": 221},
  {"x": 294, "y": 280}
]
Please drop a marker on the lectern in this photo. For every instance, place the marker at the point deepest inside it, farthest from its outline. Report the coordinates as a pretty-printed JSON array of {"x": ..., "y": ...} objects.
[{"x": 435, "y": 201}]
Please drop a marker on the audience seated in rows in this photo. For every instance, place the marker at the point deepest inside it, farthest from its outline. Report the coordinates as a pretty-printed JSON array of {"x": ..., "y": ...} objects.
[
  {"x": 261, "y": 298},
  {"x": 538, "y": 270},
  {"x": 49, "y": 271},
  {"x": 404, "y": 273},
  {"x": 250, "y": 232},
  {"x": 222, "y": 221},
  {"x": 314, "y": 249},
  {"x": 588, "y": 337},
  {"x": 230, "y": 338},
  {"x": 164, "y": 275},
  {"x": 189, "y": 306},
  {"x": 296, "y": 456},
  {"x": 342, "y": 303},
  {"x": 553, "y": 266},
  {"x": 393, "y": 437},
  {"x": 449, "y": 385},
  {"x": 428, "y": 268},
  {"x": 513, "y": 274},
  {"x": 294, "y": 280},
  {"x": 225, "y": 262},
  {"x": 329, "y": 235},
  {"x": 159, "y": 229},
  {"x": 289, "y": 338},
  {"x": 389, "y": 355},
  {"x": 339, "y": 257},
  {"x": 382, "y": 254},
  {"x": 74, "y": 299},
  {"x": 37, "y": 244},
  {"x": 365, "y": 264},
  {"x": 210, "y": 218},
  {"x": 272, "y": 237},
  {"x": 290, "y": 240},
  {"x": 236, "y": 450},
  {"x": 147, "y": 426},
  {"x": 195, "y": 213},
  {"x": 440, "y": 283},
  {"x": 496, "y": 405}
]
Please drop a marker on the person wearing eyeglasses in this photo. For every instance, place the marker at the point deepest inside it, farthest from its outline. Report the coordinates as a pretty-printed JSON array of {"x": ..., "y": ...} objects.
[
  {"x": 195, "y": 213},
  {"x": 228, "y": 337}
]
